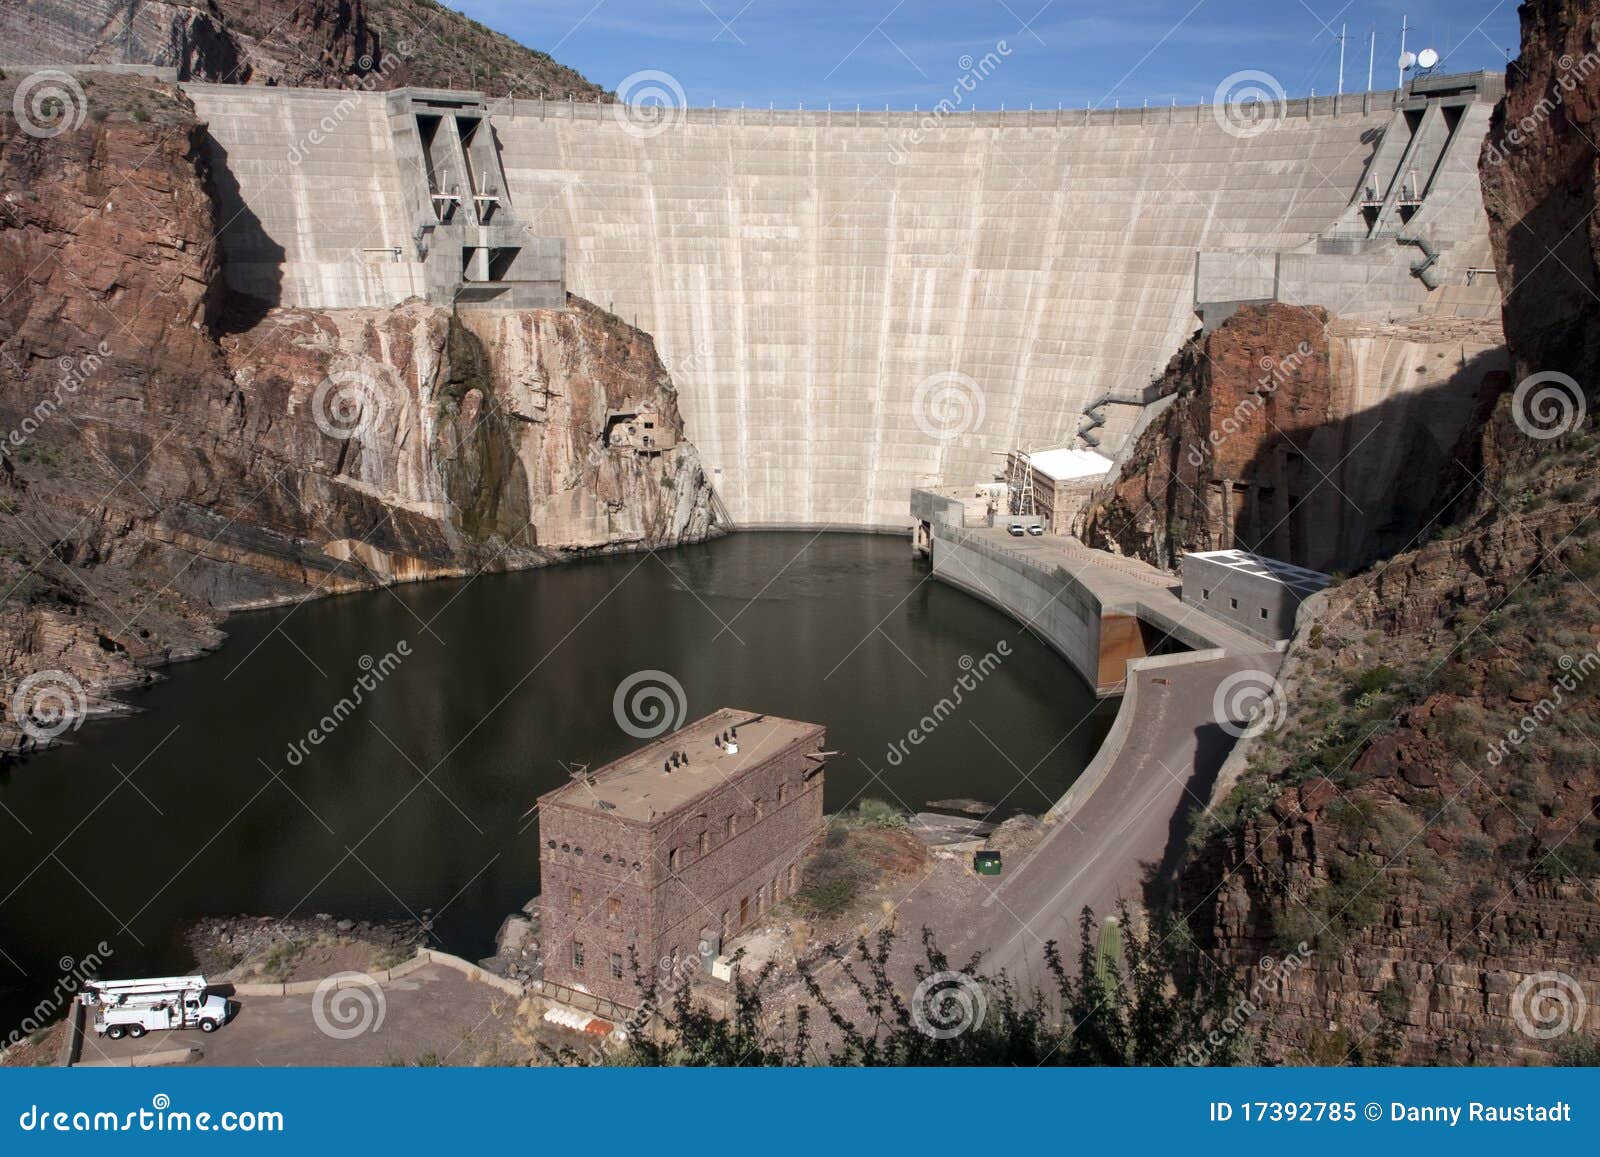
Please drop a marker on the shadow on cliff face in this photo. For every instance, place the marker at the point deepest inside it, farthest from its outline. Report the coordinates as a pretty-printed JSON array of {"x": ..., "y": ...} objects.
[
  {"x": 1212, "y": 746},
  {"x": 252, "y": 262},
  {"x": 1241, "y": 461},
  {"x": 1353, "y": 491}
]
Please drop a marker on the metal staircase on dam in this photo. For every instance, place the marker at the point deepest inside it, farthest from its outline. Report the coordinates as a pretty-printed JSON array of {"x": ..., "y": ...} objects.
[
  {"x": 1093, "y": 418},
  {"x": 1411, "y": 226}
]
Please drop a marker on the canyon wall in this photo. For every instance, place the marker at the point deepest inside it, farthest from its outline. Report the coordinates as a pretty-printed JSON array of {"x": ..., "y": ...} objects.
[
  {"x": 1328, "y": 442},
  {"x": 172, "y": 453},
  {"x": 1423, "y": 819},
  {"x": 370, "y": 44}
]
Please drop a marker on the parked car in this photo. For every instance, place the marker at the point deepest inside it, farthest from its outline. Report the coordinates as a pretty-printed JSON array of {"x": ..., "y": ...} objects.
[
  {"x": 1015, "y": 530},
  {"x": 1035, "y": 529}
]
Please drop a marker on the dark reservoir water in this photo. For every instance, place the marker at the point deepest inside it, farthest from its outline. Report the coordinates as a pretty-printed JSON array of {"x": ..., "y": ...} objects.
[{"x": 417, "y": 799}]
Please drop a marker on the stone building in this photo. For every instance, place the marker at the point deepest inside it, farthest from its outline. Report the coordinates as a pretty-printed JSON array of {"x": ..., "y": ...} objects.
[
  {"x": 666, "y": 852},
  {"x": 1060, "y": 484}
]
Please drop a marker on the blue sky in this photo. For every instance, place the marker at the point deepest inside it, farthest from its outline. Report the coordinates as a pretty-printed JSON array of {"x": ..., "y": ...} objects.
[{"x": 878, "y": 52}]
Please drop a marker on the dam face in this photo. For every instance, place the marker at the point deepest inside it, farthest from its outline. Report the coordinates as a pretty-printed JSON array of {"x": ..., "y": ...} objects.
[{"x": 851, "y": 305}]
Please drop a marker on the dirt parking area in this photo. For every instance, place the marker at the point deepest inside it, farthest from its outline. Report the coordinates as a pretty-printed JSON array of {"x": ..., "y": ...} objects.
[{"x": 432, "y": 1016}]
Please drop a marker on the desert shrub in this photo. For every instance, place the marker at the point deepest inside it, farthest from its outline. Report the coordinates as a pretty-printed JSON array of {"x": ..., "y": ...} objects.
[
  {"x": 1378, "y": 678},
  {"x": 829, "y": 882},
  {"x": 1454, "y": 678},
  {"x": 875, "y": 813}
]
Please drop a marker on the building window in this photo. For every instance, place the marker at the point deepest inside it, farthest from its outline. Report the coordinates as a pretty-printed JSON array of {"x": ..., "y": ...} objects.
[
  {"x": 577, "y": 954},
  {"x": 783, "y": 793},
  {"x": 1233, "y": 604},
  {"x": 1205, "y": 593},
  {"x": 613, "y": 910},
  {"x": 616, "y": 966},
  {"x": 576, "y": 896},
  {"x": 1263, "y": 612},
  {"x": 733, "y": 826},
  {"x": 675, "y": 859},
  {"x": 761, "y": 808},
  {"x": 705, "y": 842}
]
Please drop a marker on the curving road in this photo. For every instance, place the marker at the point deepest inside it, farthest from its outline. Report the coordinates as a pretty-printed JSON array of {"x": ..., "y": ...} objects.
[{"x": 1127, "y": 831}]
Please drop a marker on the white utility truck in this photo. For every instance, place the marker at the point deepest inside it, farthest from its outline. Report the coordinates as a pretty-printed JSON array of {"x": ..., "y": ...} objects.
[{"x": 134, "y": 1007}]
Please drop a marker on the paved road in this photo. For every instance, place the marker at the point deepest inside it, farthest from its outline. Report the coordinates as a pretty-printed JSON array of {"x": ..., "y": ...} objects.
[
  {"x": 1133, "y": 822},
  {"x": 433, "y": 1015}
]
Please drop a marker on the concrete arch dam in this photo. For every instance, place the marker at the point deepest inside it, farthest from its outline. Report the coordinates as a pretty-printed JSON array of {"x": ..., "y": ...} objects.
[{"x": 851, "y": 305}]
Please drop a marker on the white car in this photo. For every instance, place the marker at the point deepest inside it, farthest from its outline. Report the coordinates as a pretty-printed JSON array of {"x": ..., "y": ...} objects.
[
  {"x": 1035, "y": 529},
  {"x": 1015, "y": 530}
]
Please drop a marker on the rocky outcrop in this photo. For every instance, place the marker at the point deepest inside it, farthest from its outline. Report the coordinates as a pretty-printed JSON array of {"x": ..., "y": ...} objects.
[
  {"x": 304, "y": 43},
  {"x": 1319, "y": 440},
  {"x": 167, "y": 459},
  {"x": 1424, "y": 820}
]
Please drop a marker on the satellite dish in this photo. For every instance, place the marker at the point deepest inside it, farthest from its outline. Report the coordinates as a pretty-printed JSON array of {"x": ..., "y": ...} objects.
[
  {"x": 1427, "y": 58},
  {"x": 1407, "y": 59}
]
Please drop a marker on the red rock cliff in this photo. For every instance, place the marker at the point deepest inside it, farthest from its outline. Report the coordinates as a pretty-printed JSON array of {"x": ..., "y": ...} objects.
[
  {"x": 1425, "y": 819},
  {"x": 161, "y": 466}
]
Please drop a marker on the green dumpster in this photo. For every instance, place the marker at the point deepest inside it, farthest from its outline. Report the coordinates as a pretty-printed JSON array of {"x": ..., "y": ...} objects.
[{"x": 986, "y": 863}]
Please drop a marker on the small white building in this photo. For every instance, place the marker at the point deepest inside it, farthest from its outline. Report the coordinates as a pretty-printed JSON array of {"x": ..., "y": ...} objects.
[{"x": 1061, "y": 482}]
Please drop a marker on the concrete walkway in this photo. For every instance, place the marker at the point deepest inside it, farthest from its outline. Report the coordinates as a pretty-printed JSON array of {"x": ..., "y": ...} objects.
[
  {"x": 1121, "y": 585},
  {"x": 1131, "y": 827}
]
